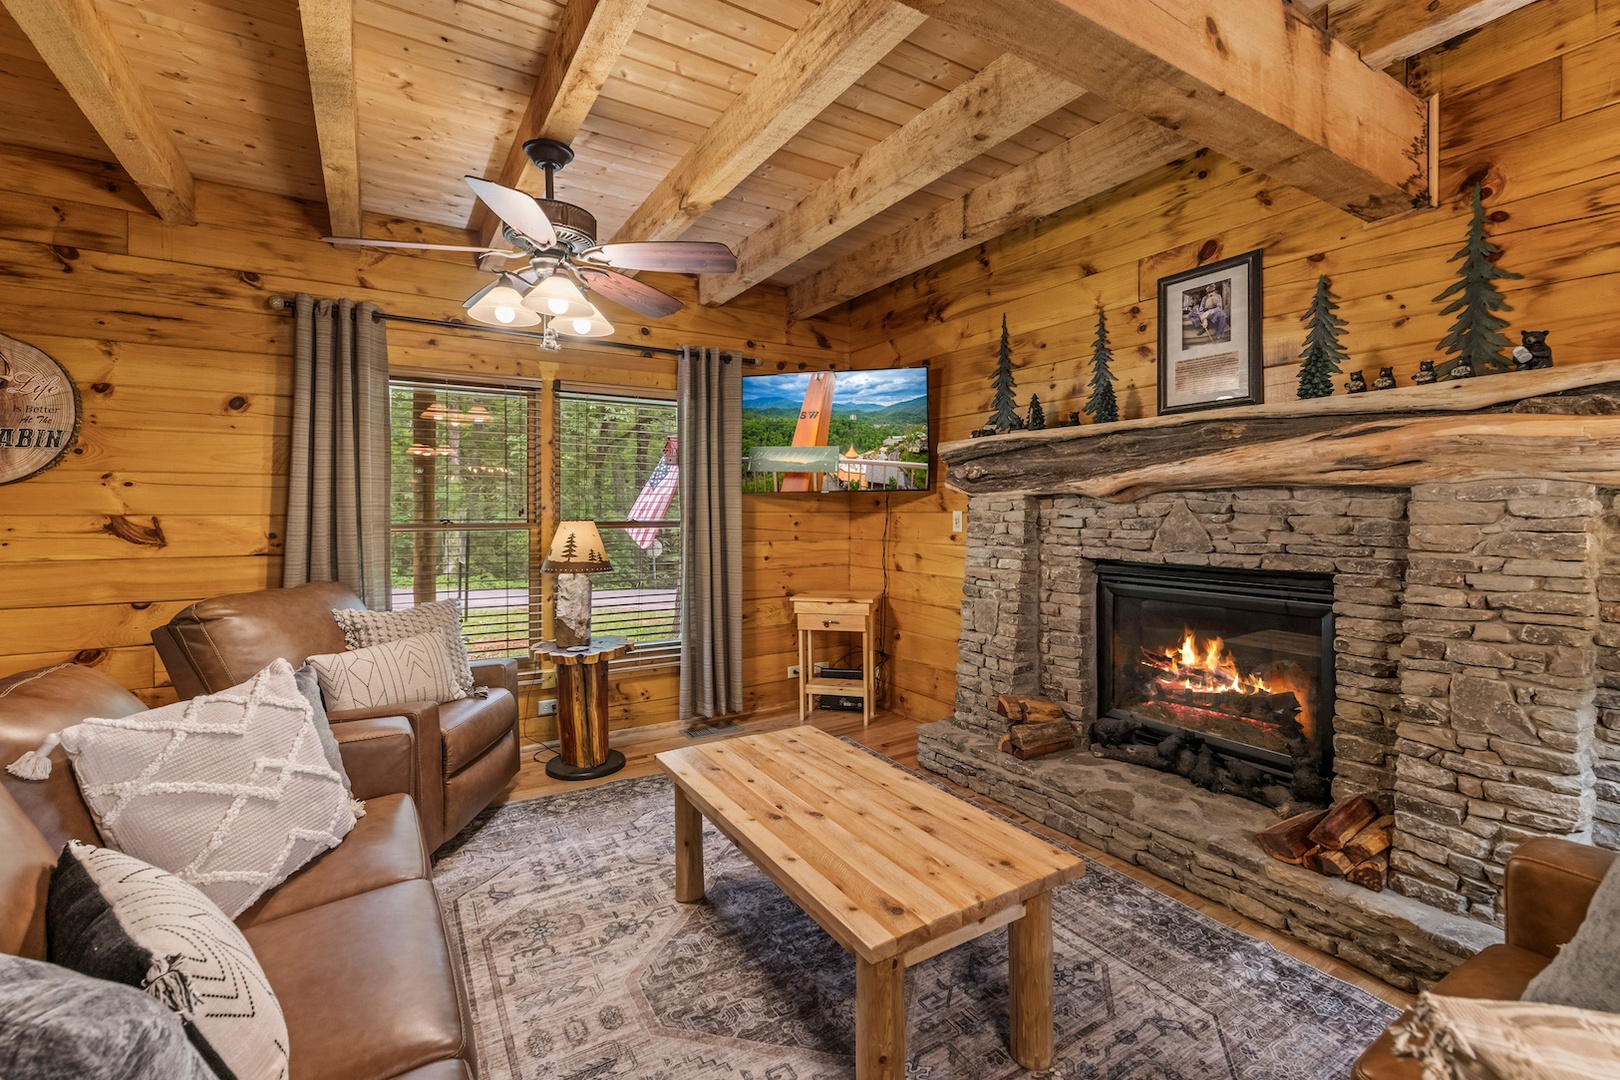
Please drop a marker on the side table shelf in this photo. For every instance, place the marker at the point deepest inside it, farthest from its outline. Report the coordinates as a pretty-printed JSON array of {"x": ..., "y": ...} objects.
[{"x": 845, "y": 614}]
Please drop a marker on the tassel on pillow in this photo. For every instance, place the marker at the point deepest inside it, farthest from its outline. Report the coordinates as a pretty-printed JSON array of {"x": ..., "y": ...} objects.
[{"x": 36, "y": 764}]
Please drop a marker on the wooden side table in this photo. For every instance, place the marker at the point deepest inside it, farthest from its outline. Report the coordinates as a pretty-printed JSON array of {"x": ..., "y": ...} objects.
[
  {"x": 844, "y": 613},
  {"x": 582, "y": 708}
]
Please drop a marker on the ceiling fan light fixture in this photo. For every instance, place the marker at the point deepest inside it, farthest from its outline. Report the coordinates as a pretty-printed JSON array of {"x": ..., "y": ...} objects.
[
  {"x": 580, "y": 326},
  {"x": 558, "y": 297},
  {"x": 503, "y": 306}
]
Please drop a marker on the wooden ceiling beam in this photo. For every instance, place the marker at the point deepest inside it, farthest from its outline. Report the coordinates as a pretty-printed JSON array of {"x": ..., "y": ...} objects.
[
  {"x": 840, "y": 41},
  {"x": 1005, "y": 98},
  {"x": 590, "y": 36},
  {"x": 77, "y": 45},
  {"x": 329, "y": 54},
  {"x": 1097, "y": 160},
  {"x": 1251, "y": 79},
  {"x": 1385, "y": 31}
]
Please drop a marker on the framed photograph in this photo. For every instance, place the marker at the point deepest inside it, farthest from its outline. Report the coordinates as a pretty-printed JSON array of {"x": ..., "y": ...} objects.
[{"x": 1209, "y": 336}]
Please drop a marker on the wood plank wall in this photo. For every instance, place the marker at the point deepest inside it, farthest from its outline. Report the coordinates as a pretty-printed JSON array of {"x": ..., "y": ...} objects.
[
  {"x": 175, "y": 493},
  {"x": 1529, "y": 105}
]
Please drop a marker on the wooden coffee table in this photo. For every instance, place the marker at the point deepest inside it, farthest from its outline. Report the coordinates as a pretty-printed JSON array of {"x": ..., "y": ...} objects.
[{"x": 893, "y": 868}]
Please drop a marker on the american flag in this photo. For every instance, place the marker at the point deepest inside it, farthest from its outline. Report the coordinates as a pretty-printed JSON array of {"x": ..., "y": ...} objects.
[{"x": 653, "y": 502}]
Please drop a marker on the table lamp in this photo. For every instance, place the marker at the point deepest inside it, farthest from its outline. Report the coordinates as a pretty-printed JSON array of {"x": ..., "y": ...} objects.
[{"x": 576, "y": 553}]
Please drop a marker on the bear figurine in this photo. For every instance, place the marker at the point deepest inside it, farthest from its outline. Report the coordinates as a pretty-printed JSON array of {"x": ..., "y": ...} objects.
[{"x": 1534, "y": 354}]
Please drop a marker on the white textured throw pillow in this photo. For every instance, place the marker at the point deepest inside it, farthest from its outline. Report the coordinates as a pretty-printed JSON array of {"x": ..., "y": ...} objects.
[
  {"x": 363, "y": 629},
  {"x": 411, "y": 669},
  {"x": 114, "y": 917},
  {"x": 229, "y": 791}
]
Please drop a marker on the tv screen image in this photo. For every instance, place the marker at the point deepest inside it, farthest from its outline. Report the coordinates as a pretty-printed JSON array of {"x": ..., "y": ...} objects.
[{"x": 818, "y": 431}]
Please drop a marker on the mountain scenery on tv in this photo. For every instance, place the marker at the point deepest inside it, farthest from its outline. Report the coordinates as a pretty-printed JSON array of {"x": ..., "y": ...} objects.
[{"x": 877, "y": 423}]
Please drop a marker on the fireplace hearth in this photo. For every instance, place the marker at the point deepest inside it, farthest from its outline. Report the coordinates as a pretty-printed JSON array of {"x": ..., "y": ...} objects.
[{"x": 1222, "y": 676}]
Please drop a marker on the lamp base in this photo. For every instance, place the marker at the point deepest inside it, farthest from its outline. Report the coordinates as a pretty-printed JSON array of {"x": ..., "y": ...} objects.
[
  {"x": 572, "y": 626},
  {"x": 558, "y": 769}
]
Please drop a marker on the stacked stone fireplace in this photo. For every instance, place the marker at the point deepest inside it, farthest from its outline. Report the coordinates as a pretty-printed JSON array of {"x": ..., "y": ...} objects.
[{"x": 1473, "y": 687}]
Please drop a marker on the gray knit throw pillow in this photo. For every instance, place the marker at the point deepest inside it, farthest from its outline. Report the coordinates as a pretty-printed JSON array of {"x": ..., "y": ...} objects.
[
  {"x": 363, "y": 629},
  {"x": 1586, "y": 972}
]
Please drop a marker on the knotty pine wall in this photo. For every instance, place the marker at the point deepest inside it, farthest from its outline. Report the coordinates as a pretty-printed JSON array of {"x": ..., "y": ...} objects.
[
  {"x": 175, "y": 491},
  {"x": 1529, "y": 105}
]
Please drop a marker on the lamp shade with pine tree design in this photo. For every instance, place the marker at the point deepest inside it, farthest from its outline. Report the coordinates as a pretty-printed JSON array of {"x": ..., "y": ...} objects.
[{"x": 576, "y": 549}]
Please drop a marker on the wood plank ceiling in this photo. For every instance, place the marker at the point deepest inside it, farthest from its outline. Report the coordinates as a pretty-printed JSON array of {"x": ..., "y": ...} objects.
[{"x": 812, "y": 138}]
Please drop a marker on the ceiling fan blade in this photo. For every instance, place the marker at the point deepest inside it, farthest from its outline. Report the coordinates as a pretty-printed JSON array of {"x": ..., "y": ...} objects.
[
  {"x": 356, "y": 241},
  {"x": 628, "y": 292},
  {"x": 516, "y": 209},
  {"x": 679, "y": 256}
]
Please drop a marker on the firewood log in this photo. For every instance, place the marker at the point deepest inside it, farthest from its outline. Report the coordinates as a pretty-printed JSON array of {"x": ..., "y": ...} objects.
[
  {"x": 1005, "y": 744},
  {"x": 1042, "y": 751},
  {"x": 1011, "y": 707},
  {"x": 1041, "y": 711},
  {"x": 1372, "y": 874},
  {"x": 1032, "y": 736},
  {"x": 1371, "y": 840},
  {"x": 1289, "y": 840},
  {"x": 1343, "y": 821},
  {"x": 1329, "y": 863}
]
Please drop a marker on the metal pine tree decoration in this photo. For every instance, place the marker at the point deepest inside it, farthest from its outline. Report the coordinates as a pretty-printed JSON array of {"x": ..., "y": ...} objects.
[
  {"x": 1101, "y": 406},
  {"x": 1475, "y": 339},
  {"x": 1004, "y": 405},
  {"x": 1037, "y": 415},
  {"x": 1323, "y": 352}
]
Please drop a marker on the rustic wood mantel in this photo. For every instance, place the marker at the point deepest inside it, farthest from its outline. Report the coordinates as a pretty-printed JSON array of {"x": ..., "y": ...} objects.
[{"x": 1558, "y": 424}]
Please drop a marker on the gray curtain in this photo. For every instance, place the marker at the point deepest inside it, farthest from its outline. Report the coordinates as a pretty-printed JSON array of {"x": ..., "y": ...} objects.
[
  {"x": 337, "y": 493},
  {"x": 709, "y": 400}
]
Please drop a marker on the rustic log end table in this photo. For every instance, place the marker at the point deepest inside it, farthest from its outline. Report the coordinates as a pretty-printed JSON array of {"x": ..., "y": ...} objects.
[
  {"x": 582, "y": 708},
  {"x": 893, "y": 868}
]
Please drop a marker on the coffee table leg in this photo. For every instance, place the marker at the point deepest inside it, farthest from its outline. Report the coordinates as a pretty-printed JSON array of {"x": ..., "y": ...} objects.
[
  {"x": 688, "y": 849},
  {"x": 1029, "y": 979},
  {"x": 880, "y": 1020}
]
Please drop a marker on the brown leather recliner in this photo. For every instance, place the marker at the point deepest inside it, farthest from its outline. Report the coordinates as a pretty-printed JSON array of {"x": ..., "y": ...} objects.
[
  {"x": 1549, "y": 887},
  {"x": 354, "y": 944},
  {"x": 467, "y": 750}
]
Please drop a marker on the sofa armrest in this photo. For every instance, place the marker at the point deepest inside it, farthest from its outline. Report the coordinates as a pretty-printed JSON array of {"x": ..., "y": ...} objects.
[
  {"x": 428, "y": 787},
  {"x": 1549, "y": 886},
  {"x": 379, "y": 754},
  {"x": 496, "y": 674}
]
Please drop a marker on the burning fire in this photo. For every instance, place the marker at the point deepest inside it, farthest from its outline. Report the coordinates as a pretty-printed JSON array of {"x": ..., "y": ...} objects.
[
  {"x": 1204, "y": 668},
  {"x": 1205, "y": 675}
]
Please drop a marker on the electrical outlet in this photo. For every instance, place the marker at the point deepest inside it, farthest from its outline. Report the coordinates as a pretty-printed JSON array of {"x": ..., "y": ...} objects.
[
  {"x": 548, "y": 706},
  {"x": 793, "y": 671},
  {"x": 956, "y": 521}
]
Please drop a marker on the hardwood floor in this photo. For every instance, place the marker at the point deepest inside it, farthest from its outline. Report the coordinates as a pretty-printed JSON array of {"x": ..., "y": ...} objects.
[{"x": 895, "y": 737}]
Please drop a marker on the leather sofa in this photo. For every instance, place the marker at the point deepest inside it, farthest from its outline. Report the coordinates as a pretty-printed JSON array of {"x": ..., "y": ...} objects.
[
  {"x": 467, "y": 750},
  {"x": 353, "y": 944},
  {"x": 1548, "y": 889}
]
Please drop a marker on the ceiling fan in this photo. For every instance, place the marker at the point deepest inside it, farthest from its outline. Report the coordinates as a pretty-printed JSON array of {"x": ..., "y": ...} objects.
[{"x": 557, "y": 242}]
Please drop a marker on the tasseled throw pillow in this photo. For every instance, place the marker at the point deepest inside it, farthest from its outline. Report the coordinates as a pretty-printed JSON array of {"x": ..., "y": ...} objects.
[{"x": 230, "y": 791}]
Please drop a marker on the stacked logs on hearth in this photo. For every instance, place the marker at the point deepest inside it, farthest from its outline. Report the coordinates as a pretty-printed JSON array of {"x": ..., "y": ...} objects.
[
  {"x": 1035, "y": 727},
  {"x": 1349, "y": 840}
]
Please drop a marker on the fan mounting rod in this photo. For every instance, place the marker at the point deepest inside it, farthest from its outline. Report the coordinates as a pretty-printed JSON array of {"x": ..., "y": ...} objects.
[{"x": 550, "y": 155}]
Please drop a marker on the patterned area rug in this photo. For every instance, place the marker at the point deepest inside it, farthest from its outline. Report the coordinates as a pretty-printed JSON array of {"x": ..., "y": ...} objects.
[{"x": 582, "y": 966}]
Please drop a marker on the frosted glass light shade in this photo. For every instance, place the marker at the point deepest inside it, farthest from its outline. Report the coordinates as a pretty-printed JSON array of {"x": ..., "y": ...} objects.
[
  {"x": 557, "y": 297},
  {"x": 580, "y": 327},
  {"x": 503, "y": 306}
]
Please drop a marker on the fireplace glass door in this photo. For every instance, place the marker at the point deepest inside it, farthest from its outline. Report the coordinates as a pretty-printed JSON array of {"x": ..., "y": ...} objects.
[{"x": 1237, "y": 660}]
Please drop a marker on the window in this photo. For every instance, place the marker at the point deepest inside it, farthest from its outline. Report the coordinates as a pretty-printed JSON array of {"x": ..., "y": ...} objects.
[
  {"x": 472, "y": 510},
  {"x": 616, "y": 466},
  {"x": 462, "y": 508}
]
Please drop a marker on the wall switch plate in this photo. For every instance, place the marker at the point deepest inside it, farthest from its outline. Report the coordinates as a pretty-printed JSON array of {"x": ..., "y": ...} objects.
[
  {"x": 956, "y": 521},
  {"x": 793, "y": 671},
  {"x": 548, "y": 706}
]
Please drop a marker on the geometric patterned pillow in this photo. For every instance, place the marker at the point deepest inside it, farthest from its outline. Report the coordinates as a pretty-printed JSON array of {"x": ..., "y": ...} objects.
[
  {"x": 362, "y": 629},
  {"x": 410, "y": 669},
  {"x": 114, "y": 917},
  {"x": 230, "y": 791}
]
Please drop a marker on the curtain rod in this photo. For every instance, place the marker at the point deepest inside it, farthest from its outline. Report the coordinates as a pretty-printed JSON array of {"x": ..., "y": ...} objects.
[{"x": 283, "y": 304}]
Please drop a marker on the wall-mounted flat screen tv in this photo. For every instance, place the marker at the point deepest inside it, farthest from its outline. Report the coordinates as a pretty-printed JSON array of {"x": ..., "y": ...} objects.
[{"x": 824, "y": 431}]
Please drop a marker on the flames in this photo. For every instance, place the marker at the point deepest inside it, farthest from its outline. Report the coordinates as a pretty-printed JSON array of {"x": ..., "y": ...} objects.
[
  {"x": 1204, "y": 667},
  {"x": 1203, "y": 674}
]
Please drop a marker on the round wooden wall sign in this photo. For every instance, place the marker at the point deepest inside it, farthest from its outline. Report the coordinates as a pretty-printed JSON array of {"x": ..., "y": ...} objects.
[{"x": 39, "y": 411}]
